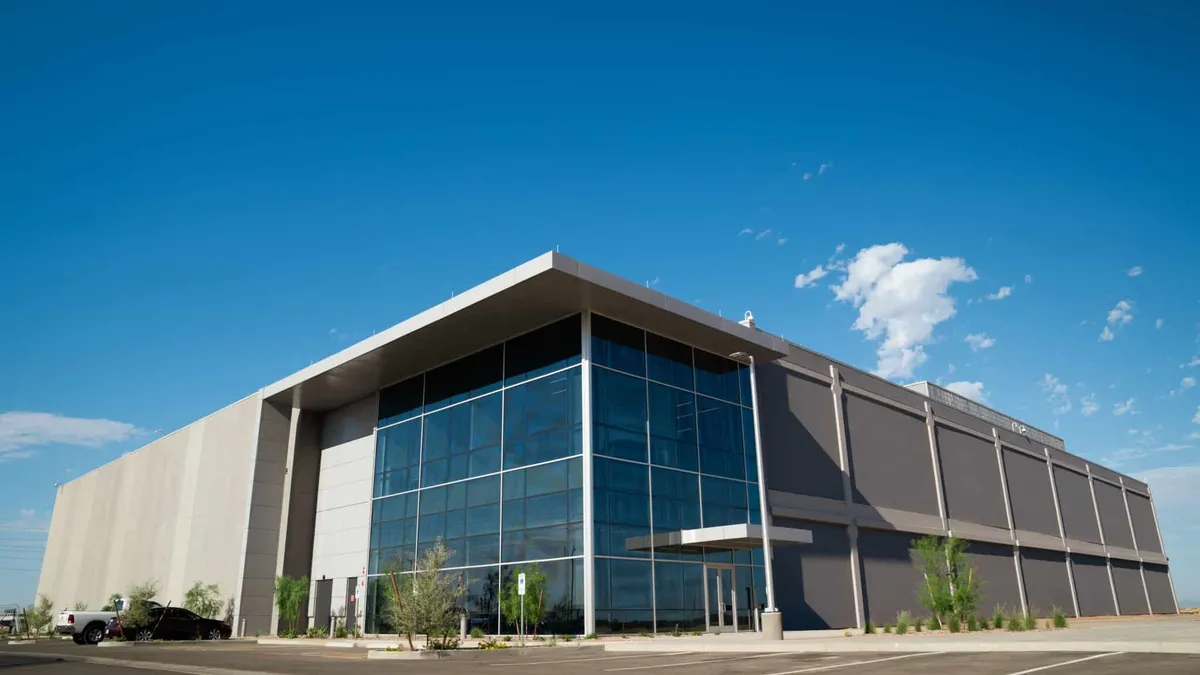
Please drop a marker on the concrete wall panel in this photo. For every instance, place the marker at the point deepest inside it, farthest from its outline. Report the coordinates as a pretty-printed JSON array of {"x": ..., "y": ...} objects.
[
  {"x": 998, "y": 576},
  {"x": 889, "y": 578},
  {"x": 1143, "y": 523},
  {"x": 812, "y": 582},
  {"x": 1112, "y": 515},
  {"x": 1131, "y": 595},
  {"x": 1075, "y": 499},
  {"x": 799, "y": 433},
  {"x": 1029, "y": 489},
  {"x": 1092, "y": 586},
  {"x": 971, "y": 478},
  {"x": 1158, "y": 584},
  {"x": 1046, "y": 582},
  {"x": 889, "y": 456}
]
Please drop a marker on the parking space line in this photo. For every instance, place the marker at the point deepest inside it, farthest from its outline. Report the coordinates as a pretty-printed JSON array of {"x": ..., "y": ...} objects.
[
  {"x": 1064, "y": 663},
  {"x": 693, "y": 663},
  {"x": 817, "y": 669},
  {"x": 598, "y": 658}
]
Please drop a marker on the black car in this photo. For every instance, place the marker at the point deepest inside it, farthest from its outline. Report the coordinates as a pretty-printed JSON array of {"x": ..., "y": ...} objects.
[{"x": 175, "y": 623}]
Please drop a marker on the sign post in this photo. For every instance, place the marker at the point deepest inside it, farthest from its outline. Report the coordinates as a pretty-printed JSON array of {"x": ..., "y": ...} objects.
[{"x": 521, "y": 594}]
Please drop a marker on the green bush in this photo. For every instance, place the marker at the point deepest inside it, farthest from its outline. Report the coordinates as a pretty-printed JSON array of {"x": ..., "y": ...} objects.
[
  {"x": 918, "y": 624},
  {"x": 1058, "y": 618},
  {"x": 477, "y": 632},
  {"x": 887, "y": 629},
  {"x": 903, "y": 619},
  {"x": 314, "y": 632},
  {"x": 953, "y": 624},
  {"x": 949, "y": 584},
  {"x": 1015, "y": 625},
  {"x": 983, "y": 623},
  {"x": 870, "y": 629},
  {"x": 645, "y": 634},
  {"x": 934, "y": 623},
  {"x": 591, "y": 636},
  {"x": 1030, "y": 621},
  {"x": 998, "y": 617},
  {"x": 972, "y": 624},
  {"x": 340, "y": 633},
  {"x": 203, "y": 600}
]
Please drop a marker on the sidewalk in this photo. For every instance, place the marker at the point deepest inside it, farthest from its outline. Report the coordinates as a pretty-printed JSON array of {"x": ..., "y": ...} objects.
[{"x": 1160, "y": 635}]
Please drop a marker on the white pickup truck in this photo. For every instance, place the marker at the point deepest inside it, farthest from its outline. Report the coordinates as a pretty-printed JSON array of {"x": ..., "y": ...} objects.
[{"x": 87, "y": 628}]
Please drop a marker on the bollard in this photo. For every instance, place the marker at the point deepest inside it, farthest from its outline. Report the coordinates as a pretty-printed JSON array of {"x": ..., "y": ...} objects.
[{"x": 462, "y": 627}]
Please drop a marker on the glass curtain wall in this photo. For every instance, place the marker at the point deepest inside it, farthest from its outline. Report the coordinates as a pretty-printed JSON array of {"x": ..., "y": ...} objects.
[
  {"x": 673, "y": 445},
  {"x": 485, "y": 453}
]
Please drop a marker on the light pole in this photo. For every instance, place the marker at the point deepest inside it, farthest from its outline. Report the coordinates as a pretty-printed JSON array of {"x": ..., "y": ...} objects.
[{"x": 772, "y": 622}]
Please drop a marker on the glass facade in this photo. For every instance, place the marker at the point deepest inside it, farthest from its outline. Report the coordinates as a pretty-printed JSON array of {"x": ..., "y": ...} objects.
[{"x": 487, "y": 454}]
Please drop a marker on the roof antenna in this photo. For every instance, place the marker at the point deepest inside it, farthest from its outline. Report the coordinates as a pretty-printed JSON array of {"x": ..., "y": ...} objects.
[{"x": 748, "y": 321}]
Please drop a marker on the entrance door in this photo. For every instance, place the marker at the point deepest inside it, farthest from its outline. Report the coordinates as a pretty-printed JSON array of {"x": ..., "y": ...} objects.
[
  {"x": 322, "y": 604},
  {"x": 351, "y": 604},
  {"x": 720, "y": 598}
]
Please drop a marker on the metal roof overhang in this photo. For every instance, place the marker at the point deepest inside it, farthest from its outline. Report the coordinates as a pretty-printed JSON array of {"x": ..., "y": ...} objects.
[
  {"x": 723, "y": 538},
  {"x": 546, "y": 288}
]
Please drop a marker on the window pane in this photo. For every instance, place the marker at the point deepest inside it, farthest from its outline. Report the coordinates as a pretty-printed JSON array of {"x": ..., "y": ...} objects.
[
  {"x": 624, "y": 596},
  {"x": 545, "y": 350},
  {"x": 673, "y": 428},
  {"x": 748, "y": 444},
  {"x": 744, "y": 384},
  {"x": 542, "y": 419},
  {"x": 543, "y": 514},
  {"x": 465, "y": 378},
  {"x": 724, "y": 501},
  {"x": 462, "y": 441},
  {"x": 619, "y": 415},
  {"x": 562, "y": 603},
  {"x": 679, "y": 596},
  {"x": 669, "y": 361},
  {"x": 676, "y": 500},
  {"x": 717, "y": 376},
  {"x": 621, "y": 506},
  {"x": 720, "y": 437},
  {"x": 618, "y": 346},
  {"x": 397, "y": 458},
  {"x": 401, "y": 401},
  {"x": 483, "y": 599}
]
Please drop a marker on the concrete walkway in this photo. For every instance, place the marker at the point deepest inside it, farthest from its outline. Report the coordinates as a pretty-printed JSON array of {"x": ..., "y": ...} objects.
[{"x": 1157, "y": 635}]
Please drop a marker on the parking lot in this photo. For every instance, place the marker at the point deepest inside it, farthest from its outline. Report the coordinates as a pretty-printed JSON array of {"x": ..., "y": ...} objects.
[{"x": 234, "y": 658}]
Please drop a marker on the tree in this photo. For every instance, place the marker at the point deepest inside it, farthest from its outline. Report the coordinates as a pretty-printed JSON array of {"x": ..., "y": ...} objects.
[
  {"x": 230, "y": 606},
  {"x": 112, "y": 604},
  {"x": 80, "y": 606},
  {"x": 290, "y": 594},
  {"x": 137, "y": 614},
  {"x": 204, "y": 600},
  {"x": 949, "y": 585},
  {"x": 39, "y": 615},
  {"x": 427, "y": 600},
  {"x": 534, "y": 599}
]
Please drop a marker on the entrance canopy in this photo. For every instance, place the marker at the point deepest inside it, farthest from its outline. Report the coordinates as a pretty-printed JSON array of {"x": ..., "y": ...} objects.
[{"x": 723, "y": 538}]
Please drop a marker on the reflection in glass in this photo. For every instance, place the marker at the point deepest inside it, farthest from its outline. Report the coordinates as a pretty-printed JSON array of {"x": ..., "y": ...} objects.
[
  {"x": 679, "y": 596},
  {"x": 621, "y": 507},
  {"x": 543, "y": 511},
  {"x": 543, "y": 419},
  {"x": 401, "y": 401},
  {"x": 673, "y": 427},
  {"x": 618, "y": 415},
  {"x": 465, "y": 378},
  {"x": 718, "y": 376},
  {"x": 398, "y": 458},
  {"x": 723, "y": 501},
  {"x": 669, "y": 362},
  {"x": 720, "y": 437},
  {"x": 393, "y": 532},
  {"x": 618, "y": 346},
  {"x": 462, "y": 441},
  {"x": 562, "y": 602},
  {"x": 542, "y": 351},
  {"x": 624, "y": 596}
]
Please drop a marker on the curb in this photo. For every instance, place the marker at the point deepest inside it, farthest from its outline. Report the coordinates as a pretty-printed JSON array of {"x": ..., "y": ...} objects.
[{"x": 856, "y": 646}]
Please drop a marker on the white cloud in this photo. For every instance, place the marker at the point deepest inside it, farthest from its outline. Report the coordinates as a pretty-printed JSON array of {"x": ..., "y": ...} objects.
[
  {"x": 1158, "y": 323},
  {"x": 745, "y": 230},
  {"x": 1124, "y": 407},
  {"x": 950, "y": 369},
  {"x": 1028, "y": 278},
  {"x": 1001, "y": 294},
  {"x": 764, "y": 233},
  {"x": 1106, "y": 335},
  {"x": 782, "y": 241},
  {"x": 979, "y": 341},
  {"x": 900, "y": 302},
  {"x": 1135, "y": 271},
  {"x": 807, "y": 175},
  {"x": 1196, "y": 419},
  {"x": 837, "y": 250},
  {"x": 20, "y": 431},
  {"x": 1056, "y": 394},
  {"x": 1121, "y": 314},
  {"x": 28, "y": 520},
  {"x": 824, "y": 167},
  {"x": 1126, "y": 454},
  {"x": 810, "y": 278},
  {"x": 1191, "y": 364},
  {"x": 972, "y": 390},
  {"x": 1174, "y": 489},
  {"x": 1194, "y": 436},
  {"x": 1187, "y": 382},
  {"x": 1088, "y": 405}
]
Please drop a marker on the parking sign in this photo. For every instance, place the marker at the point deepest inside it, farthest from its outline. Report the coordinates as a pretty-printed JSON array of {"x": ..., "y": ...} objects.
[{"x": 521, "y": 584}]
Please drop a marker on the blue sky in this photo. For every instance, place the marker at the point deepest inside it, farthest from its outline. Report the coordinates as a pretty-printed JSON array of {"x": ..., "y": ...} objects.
[{"x": 197, "y": 199}]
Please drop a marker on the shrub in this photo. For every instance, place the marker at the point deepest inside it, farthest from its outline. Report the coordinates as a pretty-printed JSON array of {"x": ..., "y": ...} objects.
[
  {"x": 138, "y": 612},
  {"x": 290, "y": 594},
  {"x": 1015, "y": 625},
  {"x": 492, "y": 643},
  {"x": 477, "y": 632},
  {"x": 972, "y": 624},
  {"x": 645, "y": 634},
  {"x": 903, "y": 619},
  {"x": 40, "y": 616},
  {"x": 953, "y": 624},
  {"x": 568, "y": 638},
  {"x": 676, "y": 632},
  {"x": 949, "y": 585},
  {"x": 426, "y": 601},
  {"x": 80, "y": 607},
  {"x": 869, "y": 629},
  {"x": 315, "y": 632},
  {"x": 1058, "y": 618},
  {"x": 508, "y": 638},
  {"x": 442, "y": 640},
  {"x": 887, "y": 629},
  {"x": 934, "y": 623},
  {"x": 918, "y": 624},
  {"x": 340, "y": 633},
  {"x": 590, "y": 636},
  {"x": 998, "y": 617},
  {"x": 983, "y": 623},
  {"x": 203, "y": 600},
  {"x": 1030, "y": 621}
]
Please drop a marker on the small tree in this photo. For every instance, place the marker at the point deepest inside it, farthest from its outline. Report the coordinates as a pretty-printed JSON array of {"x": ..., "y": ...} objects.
[
  {"x": 111, "y": 605},
  {"x": 204, "y": 600},
  {"x": 230, "y": 606},
  {"x": 949, "y": 586},
  {"x": 290, "y": 594},
  {"x": 39, "y": 615},
  {"x": 80, "y": 607},
  {"x": 426, "y": 601},
  {"x": 137, "y": 614},
  {"x": 534, "y": 599}
]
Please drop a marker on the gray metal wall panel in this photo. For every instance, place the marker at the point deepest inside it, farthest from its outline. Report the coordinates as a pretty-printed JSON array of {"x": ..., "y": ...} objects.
[
  {"x": 881, "y": 387},
  {"x": 1105, "y": 473},
  {"x": 1066, "y": 458},
  {"x": 1112, "y": 515},
  {"x": 1091, "y": 585},
  {"x": 1046, "y": 582},
  {"x": 889, "y": 578},
  {"x": 808, "y": 359},
  {"x": 799, "y": 430},
  {"x": 1075, "y": 500},
  {"x": 1159, "y": 587},
  {"x": 971, "y": 478},
  {"x": 1131, "y": 595},
  {"x": 998, "y": 576},
  {"x": 1136, "y": 484},
  {"x": 1143, "y": 523},
  {"x": 960, "y": 418},
  {"x": 1018, "y": 441},
  {"x": 1029, "y": 488},
  {"x": 889, "y": 456},
  {"x": 812, "y": 582}
]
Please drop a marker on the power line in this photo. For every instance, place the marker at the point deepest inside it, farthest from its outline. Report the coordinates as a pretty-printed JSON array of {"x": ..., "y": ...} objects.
[
  {"x": 22, "y": 539},
  {"x": 17, "y": 569}
]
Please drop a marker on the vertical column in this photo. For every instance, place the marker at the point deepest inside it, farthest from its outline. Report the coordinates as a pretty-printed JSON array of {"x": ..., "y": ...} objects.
[
  {"x": 847, "y": 494},
  {"x": 589, "y": 534},
  {"x": 930, "y": 429},
  {"x": 1103, "y": 542},
  {"x": 1062, "y": 531},
  {"x": 1162, "y": 547},
  {"x": 1012, "y": 528},
  {"x": 281, "y": 546},
  {"x": 1133, "y": 535}
]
